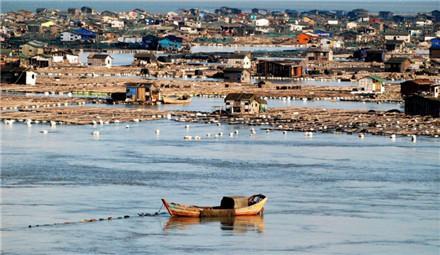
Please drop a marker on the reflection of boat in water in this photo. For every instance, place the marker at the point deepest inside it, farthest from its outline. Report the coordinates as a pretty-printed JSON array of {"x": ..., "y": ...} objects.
[
  {"x": 229, "y": 206},
  {"x": 237, "y": 224},
  {"x": 185, "y": 99}
]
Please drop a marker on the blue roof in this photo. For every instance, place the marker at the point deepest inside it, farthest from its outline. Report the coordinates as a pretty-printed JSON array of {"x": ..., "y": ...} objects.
[
  {"x": 84, "y": 32},
  {"x": 435, "y": 43},
  {"x": 173, "y": 38}
]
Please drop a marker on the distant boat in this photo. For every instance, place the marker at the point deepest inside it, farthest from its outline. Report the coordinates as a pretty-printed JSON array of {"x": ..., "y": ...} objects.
[
  {"x": 229, "y": 207},
  {"x": 185, "y": 99}
]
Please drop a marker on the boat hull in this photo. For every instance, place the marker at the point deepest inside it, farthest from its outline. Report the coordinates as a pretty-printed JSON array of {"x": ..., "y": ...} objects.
[
  {"x": 169, "y": 100},
  {"x": 180, "y": 210}
]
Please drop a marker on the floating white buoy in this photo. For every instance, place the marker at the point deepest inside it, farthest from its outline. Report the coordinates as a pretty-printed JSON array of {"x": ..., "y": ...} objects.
[
  {"x": 393, "y": 137},
  {"x": 44, "y": 131},
  {"x": 96, "y": 133},
  {"x": 197, "y": 137},
  {"x": 361, "y": 136},
  {"x": 284, "y": 132},
  {"x": 236, "y": 132},
  {"x": 308, "y": 134},
  {"x": 157, "y": 131},
  {"x": 187, "y": 137},
  {"x": 128, "y": 126},
  {"x": 218, "y": 124},
  {"x": 208, "y": 135},
  {"x": 253, "y": 132},
  {"x": 231, "y": 134},
  {"x": 413, "y": 138},
  {"x": 220, "y": 134},
  {"x": 29, "y": 123},
  {"x": 186, "y": 126}
]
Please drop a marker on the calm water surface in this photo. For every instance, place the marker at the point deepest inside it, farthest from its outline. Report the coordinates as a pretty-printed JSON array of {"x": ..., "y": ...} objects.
[{"x": 332, "y": 194}]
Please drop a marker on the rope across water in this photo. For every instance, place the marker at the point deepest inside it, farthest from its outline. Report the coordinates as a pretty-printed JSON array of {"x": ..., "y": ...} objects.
[{"x": 110, "y": 218}]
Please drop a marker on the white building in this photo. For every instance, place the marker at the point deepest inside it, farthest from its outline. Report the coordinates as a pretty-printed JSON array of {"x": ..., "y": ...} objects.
[
  {"x": 117, "y": 24},
  {"x": 57, "y": 59},
  {"x": 332, "y": 22},
  {"x": 130, "y": 39},
  {"x": 31, "y": 78},
  {"x": 72, "y": 59},
  {"x": 406, "y": 37},
  {"x": 69, "y": 37},
  {"x": 351, "y": 25},
  {"x": 262, "y": 22}
]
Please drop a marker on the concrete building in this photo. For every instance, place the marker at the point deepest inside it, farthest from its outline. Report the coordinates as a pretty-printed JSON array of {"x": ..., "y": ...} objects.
[{"x": 69, "y": 37}]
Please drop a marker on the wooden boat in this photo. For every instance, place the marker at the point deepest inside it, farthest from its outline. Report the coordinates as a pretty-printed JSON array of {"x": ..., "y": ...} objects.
[
  {"x": 229, "y": 207},
  {"x": 176, "y": 99}
]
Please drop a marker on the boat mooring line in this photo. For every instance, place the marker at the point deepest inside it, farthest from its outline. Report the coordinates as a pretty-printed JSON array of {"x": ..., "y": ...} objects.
[{"x": 110, "y": 218}]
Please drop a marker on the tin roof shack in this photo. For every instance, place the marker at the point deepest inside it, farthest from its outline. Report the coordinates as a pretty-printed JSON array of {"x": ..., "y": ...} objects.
[
  {"x": 318, "y": 54},
  {"x": 100, "y": 60},
  {"x": 422, "y": 105},
  {"x": 244, "y": 103},
  {"x": 32, "y": 48},
  {"x": 371, "y": 85},
  {"x": 267, "y": 68},
  {"x": 397, "y": 65},
  {"x": 142, "y": 93},
  {"x": 236, "y": 75},
  {"x": 41, "y": 61},
  {"x": 423, "y": 87}
]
